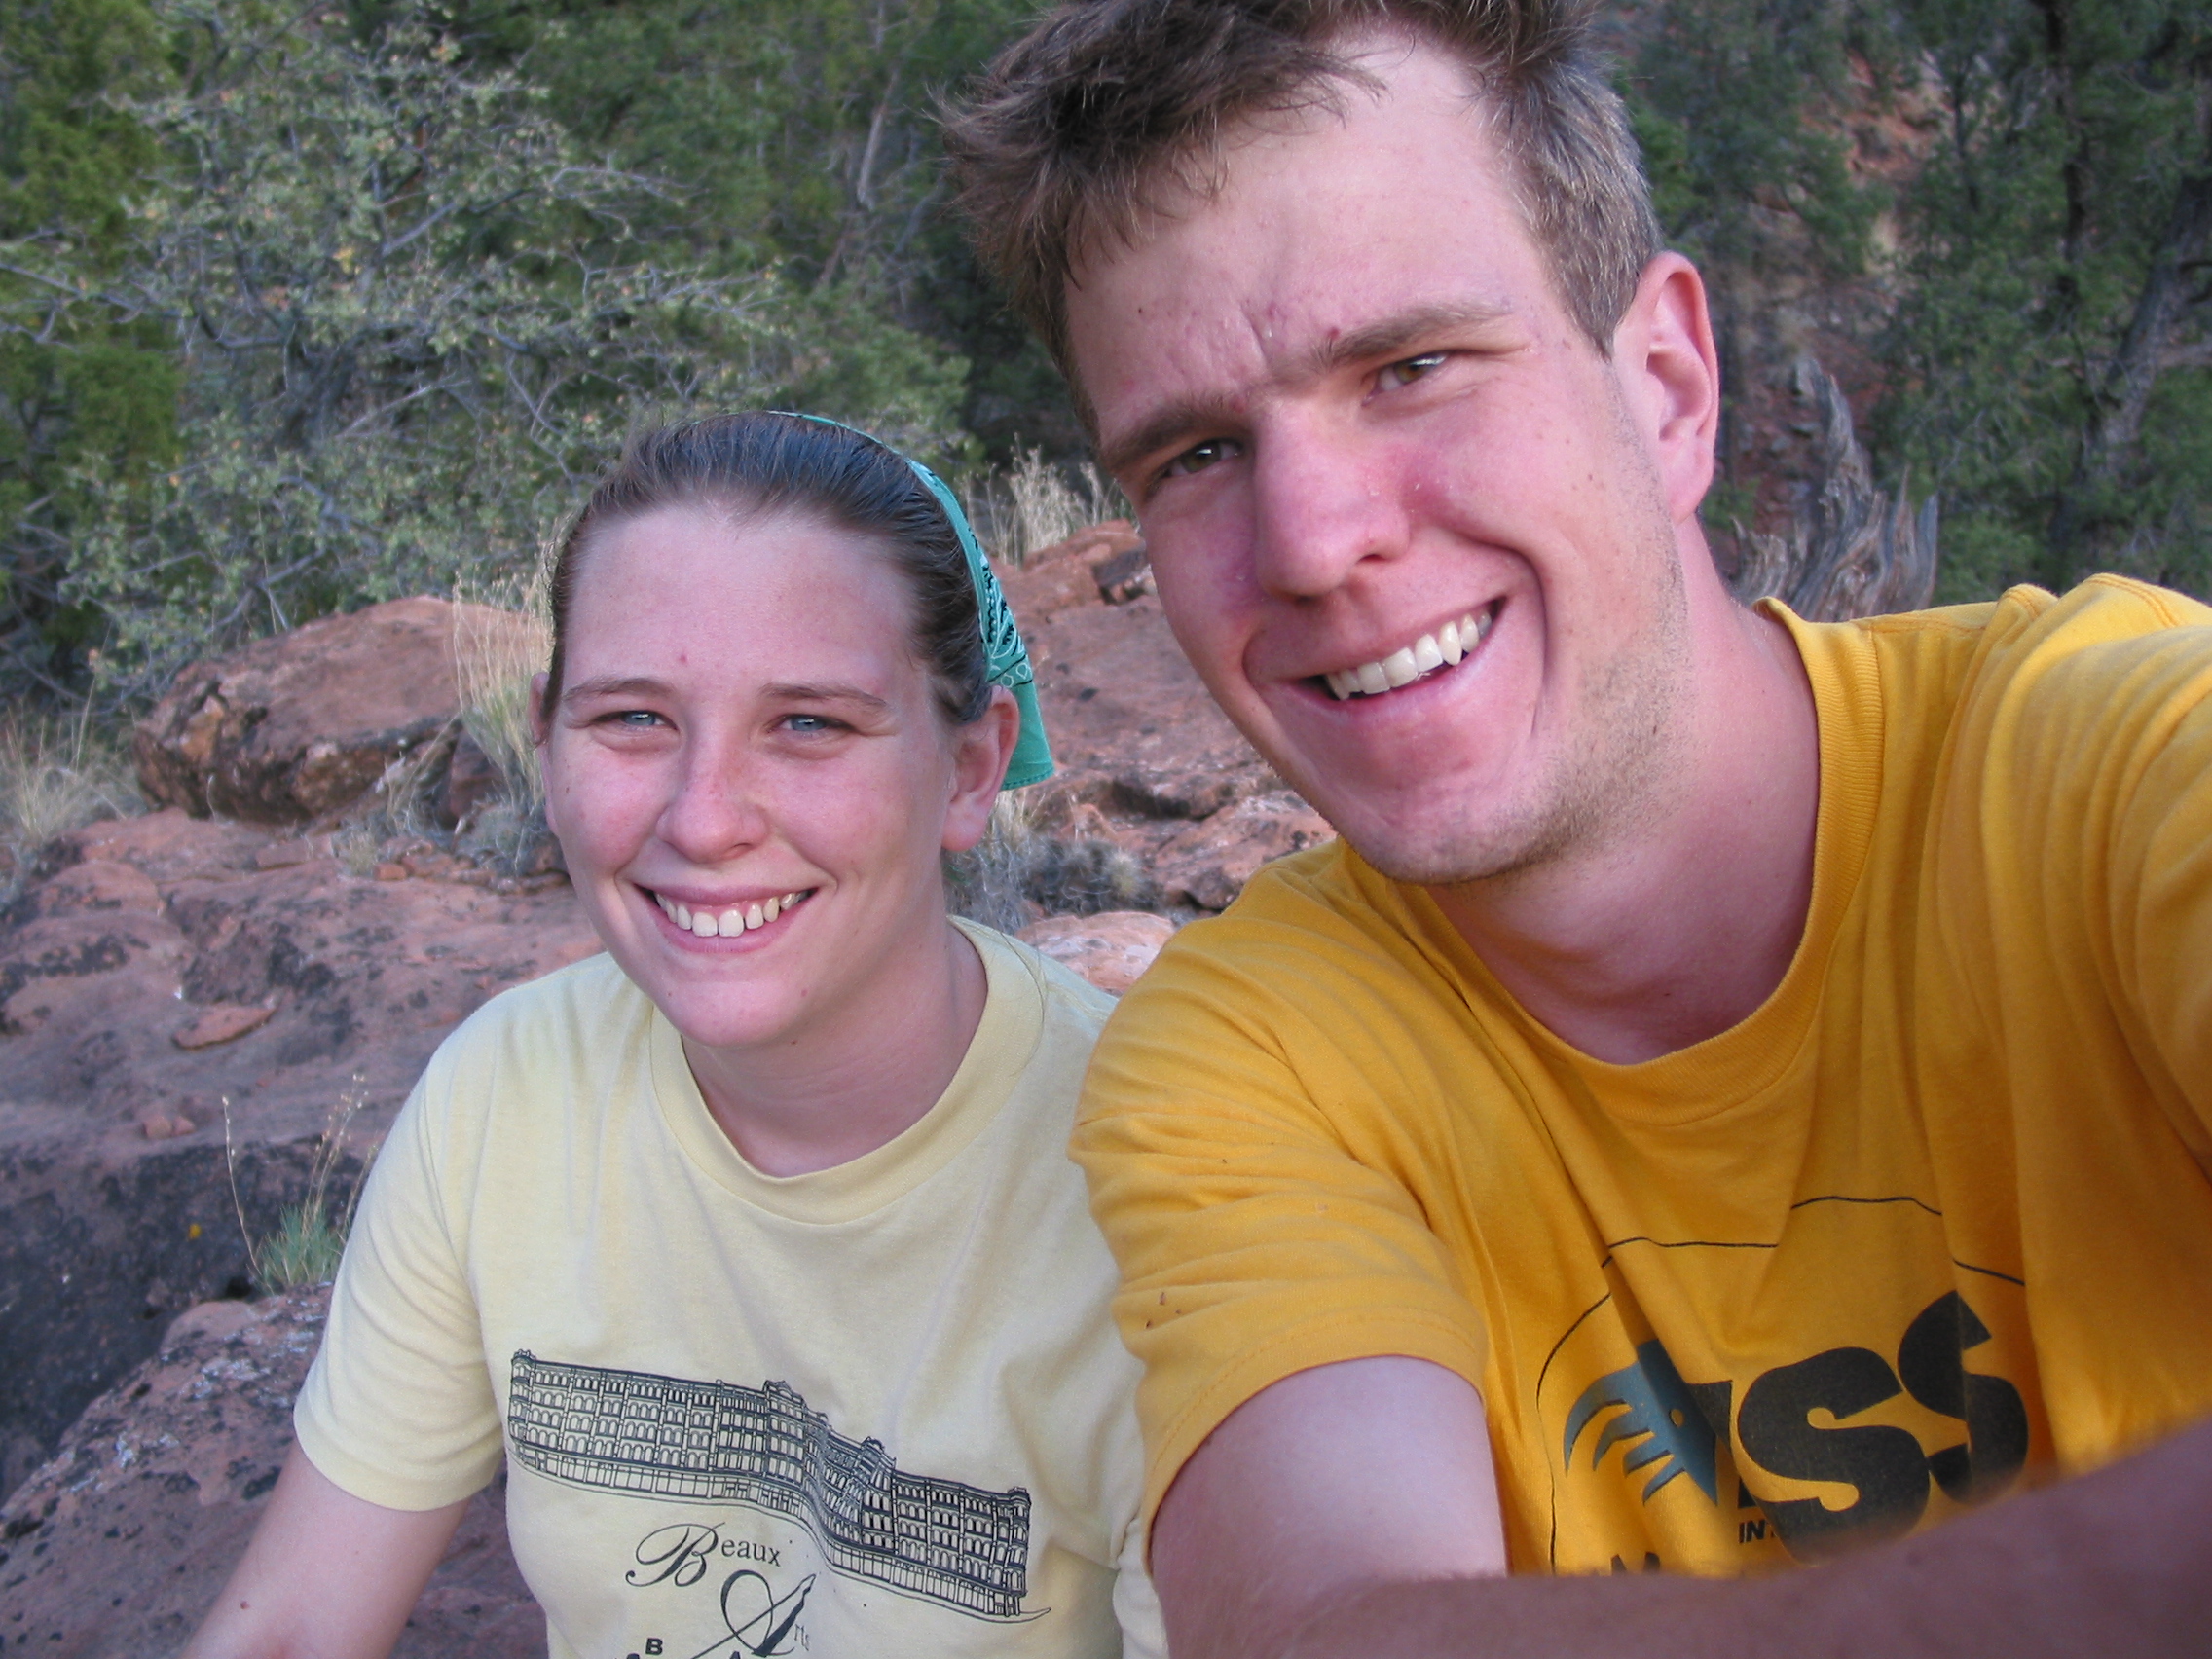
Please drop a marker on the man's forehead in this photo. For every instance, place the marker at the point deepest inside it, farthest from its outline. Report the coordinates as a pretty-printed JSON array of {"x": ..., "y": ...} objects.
[{"x": 1308, "y": 248}]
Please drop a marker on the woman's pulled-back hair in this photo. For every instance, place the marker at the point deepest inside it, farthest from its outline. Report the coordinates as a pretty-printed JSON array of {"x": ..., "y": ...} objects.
[{"x": 766, "y": 463}]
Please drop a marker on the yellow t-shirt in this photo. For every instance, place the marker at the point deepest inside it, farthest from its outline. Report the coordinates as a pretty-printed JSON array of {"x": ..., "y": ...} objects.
[
  {"x": 875, "y": 1409},
  {"x": 1931, "y": 1222}
]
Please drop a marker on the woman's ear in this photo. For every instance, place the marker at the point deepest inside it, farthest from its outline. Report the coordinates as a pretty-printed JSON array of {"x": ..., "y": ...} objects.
[
  {"x": 982, "y": 752},
  {"x": 540, "y": 729}
]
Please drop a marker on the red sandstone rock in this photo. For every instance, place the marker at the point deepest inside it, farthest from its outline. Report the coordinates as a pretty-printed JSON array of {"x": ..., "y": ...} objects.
[
  {"x": 112, "y": 1135},
  {"x": 1109, "y": 949},
  {"x": 120, "y": 1543},
  {"x": 1128, "y": 717},
  {"x": 1054, "y": 578},
  {"x": 221, "y": 1024},
  {"x": 471, "y": 781},
  {"x": 1209, "y": 862},
  {"x": 293, "y": 727}
]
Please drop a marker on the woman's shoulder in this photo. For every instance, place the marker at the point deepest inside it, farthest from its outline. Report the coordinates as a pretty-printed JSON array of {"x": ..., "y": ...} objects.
[
  {"x": 1065, "y": 1001},
  {"x": 556, "y": 1024}
]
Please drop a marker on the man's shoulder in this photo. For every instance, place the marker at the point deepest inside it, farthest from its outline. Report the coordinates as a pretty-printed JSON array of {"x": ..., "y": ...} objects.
[
  {"x": 1308, "y": 933},
  {"x": 2001, "y": 646},
  {"x": 2028, "y": 671}
]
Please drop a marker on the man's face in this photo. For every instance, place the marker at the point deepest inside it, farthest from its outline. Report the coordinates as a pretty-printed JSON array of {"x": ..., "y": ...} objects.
[{"x": 1372, "y": 453}]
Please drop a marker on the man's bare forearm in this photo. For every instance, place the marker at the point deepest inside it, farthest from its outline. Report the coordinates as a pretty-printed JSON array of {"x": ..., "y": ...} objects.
[{"x": 2118, "y": 1562}]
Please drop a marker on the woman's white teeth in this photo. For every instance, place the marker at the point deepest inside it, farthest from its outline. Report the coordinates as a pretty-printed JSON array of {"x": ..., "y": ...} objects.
[
  {"x": 738, "y": 919},
  {"x": 1427, "y": 654}
]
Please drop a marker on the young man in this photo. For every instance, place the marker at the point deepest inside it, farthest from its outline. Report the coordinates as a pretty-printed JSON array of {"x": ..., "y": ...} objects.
[{"x": 1740, "y": 1090}]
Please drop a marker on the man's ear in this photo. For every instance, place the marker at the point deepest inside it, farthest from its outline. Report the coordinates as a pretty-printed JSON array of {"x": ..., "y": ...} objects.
[
  {"x": 982, "y": 750},
  {"x": 1664, "y": 356}
]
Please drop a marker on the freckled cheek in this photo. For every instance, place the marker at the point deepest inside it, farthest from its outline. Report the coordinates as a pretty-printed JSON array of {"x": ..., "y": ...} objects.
[
  {"x": 608, "y": 809},
  {"x": 853, "y": 832}
]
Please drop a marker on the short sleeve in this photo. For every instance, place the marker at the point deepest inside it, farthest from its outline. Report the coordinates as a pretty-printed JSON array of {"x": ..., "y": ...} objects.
[
  {"x": 398, "y": 1408},
  {"x": 1136, "y": 1605},
  {"x": 1255, "y": 1239},
  {"x": 2158, "y": 887}
]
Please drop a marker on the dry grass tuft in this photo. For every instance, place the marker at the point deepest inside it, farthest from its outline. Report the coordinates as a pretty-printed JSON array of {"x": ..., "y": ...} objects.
[
  {"x": 1016, "y": 865},
  {"x": 502, "y": 636},
  {"x": 1030, "y": 506},
  {"x": 310, "y": 1237},
  {"x": 57, "y": 773}
]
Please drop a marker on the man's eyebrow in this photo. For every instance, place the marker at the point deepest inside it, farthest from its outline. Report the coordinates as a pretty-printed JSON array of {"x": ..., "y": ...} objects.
[
  {"x": 1162, "y": 428},
  {"x": 1386, "y": 338},
  {"x": 1401, "y": 334}
]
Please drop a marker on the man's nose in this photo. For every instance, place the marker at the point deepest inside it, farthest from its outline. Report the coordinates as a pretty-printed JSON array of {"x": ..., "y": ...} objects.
[
  {"x": 1323, "y": 504},
  {"x": 715, "y": 808}
]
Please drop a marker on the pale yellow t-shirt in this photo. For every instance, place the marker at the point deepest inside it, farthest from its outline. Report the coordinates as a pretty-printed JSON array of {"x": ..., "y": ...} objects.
[
  {"x": 876, "y": 1410},
  {"x": 1931, "y": 1222}
]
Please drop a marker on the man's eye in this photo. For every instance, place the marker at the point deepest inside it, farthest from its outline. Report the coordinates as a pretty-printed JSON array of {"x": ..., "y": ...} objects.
[
  {"x": 1198, "y": 457},
  {"x": 1410, "y": 369}
]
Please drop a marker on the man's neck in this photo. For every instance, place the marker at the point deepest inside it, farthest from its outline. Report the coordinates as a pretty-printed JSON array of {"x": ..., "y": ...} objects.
[{"x": 1630, "y": 951}]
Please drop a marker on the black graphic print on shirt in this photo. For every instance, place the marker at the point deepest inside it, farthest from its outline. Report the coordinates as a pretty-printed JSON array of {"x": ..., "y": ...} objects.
[
  {"x": 764, "y": 1448},
  {"x": 1727, "y": 1400}
]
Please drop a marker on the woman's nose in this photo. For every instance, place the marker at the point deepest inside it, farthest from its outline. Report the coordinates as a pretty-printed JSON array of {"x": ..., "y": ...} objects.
[{"x": 714, "y": 810}]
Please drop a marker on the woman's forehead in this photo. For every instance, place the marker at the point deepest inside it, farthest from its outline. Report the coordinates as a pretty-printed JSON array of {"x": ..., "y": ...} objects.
[{"x": 742, "y": 586}]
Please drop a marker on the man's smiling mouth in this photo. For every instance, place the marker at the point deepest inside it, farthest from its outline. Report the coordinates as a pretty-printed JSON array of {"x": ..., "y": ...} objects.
[{"x": 1424, "y": 656}]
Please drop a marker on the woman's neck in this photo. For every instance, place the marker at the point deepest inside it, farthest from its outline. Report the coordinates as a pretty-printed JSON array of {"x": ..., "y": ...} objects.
[{"x": 857, "y": 1083}]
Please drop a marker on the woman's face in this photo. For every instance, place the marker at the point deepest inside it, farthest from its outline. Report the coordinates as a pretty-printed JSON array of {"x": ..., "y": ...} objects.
[{"x": 748, "y": 772}]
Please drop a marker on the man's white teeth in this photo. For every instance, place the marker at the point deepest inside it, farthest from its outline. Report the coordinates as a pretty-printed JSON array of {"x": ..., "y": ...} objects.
[
  {"x": 1427, "y": 654},
  {"x": 738, "y": 919}
]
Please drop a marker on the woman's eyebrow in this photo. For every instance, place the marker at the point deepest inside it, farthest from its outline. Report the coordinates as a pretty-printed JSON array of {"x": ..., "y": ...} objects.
[
  {"x": 612, "y": 685},
  {"x": 814, "y": 692}
]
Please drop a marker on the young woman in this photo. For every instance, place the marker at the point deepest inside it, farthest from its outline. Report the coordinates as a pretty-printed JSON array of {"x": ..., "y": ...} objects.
[{"x": 752, "y": 1245}]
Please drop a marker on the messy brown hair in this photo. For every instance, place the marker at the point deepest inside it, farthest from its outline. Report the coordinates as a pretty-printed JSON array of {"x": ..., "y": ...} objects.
[{"x": 1071, "y": 133}]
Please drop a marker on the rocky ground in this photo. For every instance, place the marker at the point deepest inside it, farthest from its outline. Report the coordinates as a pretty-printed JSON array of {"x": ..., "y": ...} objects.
[
  {"x": 293, "y": 932},
  {"x": 116, "y": 1544}
]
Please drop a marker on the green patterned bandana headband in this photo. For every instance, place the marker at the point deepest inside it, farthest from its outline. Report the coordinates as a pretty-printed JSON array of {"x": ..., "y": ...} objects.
[{"x": 1006, "y": 656}]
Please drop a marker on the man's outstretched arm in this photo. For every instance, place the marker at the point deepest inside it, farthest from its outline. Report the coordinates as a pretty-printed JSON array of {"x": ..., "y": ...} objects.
[{"x": 1351, "y": 1512}]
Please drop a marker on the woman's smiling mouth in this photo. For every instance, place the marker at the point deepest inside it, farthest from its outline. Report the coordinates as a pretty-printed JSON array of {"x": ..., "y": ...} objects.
[{"x": 729, "y": 921}]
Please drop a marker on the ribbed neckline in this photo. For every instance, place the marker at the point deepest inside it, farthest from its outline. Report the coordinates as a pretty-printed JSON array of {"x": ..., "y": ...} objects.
[
  {"x": 1734, "y": 1066},
  {"x": 1005, "y": 1040}
]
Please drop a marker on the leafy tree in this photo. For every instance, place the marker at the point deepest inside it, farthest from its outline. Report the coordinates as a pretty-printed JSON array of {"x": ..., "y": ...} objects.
[
  {"x": 2049, "y": 348},
  {"x": 1738, "y": 104},
  {"x": 802, "y": 136},
  {"x": 408, "y": 323},
  {"x": 86, "y": 397}
]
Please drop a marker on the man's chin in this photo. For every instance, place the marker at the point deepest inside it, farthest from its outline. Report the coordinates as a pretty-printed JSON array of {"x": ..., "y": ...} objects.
[{"x": 1448, "y": 852}]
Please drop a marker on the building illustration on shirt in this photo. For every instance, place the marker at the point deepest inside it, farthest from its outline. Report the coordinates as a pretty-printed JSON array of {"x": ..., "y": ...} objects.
[{"x": 631, "y": 1431}]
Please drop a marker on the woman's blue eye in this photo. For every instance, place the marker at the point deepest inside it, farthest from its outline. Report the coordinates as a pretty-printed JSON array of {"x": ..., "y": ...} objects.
[
  {"x": 637, "y": 719},
  {"x": 808, "y": 722}
]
